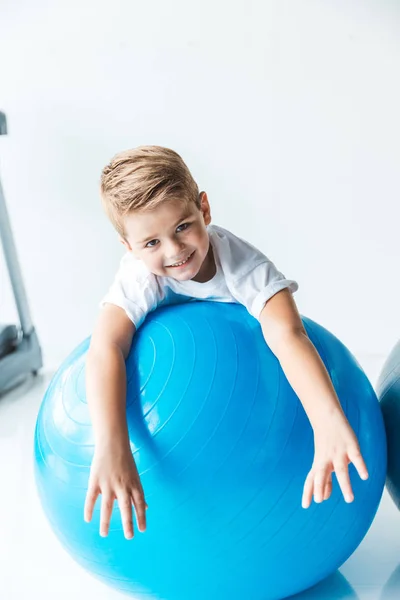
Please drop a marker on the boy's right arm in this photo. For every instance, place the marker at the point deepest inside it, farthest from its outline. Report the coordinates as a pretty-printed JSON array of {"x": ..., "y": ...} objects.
[{"x": 113, "y": 472}]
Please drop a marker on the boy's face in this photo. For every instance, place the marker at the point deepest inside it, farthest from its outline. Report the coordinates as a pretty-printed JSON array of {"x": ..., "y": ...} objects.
[{"x": 172, "y": 240}]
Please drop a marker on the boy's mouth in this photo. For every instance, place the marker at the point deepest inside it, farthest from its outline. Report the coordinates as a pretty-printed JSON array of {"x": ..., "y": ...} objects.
[{"x": 182, "y": 262}]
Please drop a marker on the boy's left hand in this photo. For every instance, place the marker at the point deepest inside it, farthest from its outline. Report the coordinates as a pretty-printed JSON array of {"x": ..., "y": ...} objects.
[{"x": 335, "y": 447}]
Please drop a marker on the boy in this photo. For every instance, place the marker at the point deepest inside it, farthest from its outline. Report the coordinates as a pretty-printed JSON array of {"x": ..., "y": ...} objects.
[{"x": 174, "y": 254}]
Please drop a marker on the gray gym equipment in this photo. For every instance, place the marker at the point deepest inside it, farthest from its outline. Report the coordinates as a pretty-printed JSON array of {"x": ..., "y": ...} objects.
[{"x": 20, "y": 353}]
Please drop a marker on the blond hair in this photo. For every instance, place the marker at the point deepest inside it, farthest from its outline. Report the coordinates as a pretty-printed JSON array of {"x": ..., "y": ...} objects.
[{"x": 143, "y": 178}]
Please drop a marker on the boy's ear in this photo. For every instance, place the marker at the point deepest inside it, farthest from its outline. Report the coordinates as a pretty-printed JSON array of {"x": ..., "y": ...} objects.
[
  {"x": 125, "y": 243},
  {"x": 205, "y": 208}
]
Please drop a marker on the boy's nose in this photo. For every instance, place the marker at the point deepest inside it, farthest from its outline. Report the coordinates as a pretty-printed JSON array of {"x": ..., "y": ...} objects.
[{"x": 174, "y": 250}]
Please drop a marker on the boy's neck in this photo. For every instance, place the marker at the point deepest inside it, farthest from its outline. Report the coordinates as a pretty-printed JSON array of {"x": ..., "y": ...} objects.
[{"x": 208, "y": 269}]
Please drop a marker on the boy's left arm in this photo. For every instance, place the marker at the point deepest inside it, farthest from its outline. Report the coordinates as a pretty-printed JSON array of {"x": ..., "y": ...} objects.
[{"x": 335, "y": 444}]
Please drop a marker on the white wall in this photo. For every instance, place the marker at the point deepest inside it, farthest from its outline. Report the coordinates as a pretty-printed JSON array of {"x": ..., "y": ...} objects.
[{"x": 287, "y": 113}]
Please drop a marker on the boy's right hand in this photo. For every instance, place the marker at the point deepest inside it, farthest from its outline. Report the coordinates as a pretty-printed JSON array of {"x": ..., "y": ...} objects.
[{"x": 114, "y": 475}]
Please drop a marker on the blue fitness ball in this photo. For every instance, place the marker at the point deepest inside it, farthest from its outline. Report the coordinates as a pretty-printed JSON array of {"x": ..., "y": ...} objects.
[
  {"x": 223, "y": 447},
  {"x": 388, "y": 389}
]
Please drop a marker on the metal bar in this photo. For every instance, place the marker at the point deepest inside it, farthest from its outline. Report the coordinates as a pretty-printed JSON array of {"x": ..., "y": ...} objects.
[{"x": 10, "y": 254}]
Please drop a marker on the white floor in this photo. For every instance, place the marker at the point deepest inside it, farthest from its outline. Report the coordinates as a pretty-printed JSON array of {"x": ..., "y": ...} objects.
[{"x": 32, "y": 564}]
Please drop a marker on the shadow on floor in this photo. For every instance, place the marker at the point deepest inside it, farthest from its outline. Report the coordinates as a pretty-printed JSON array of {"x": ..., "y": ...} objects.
[
  {"x": 391, "y": 589},
  {"x": 335, "y": 587}
]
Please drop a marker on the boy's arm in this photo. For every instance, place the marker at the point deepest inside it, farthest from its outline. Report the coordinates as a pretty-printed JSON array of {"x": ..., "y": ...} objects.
[
  {"x": 106, "y": 374},
  {"x": 335, "y": 442},
  {"x": 113, "y": 472}
]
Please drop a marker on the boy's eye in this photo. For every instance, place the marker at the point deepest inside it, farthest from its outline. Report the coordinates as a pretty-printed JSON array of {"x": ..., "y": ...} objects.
[
  {"x": 152, "y": 243},
  {"x": 182, "y": 227}
]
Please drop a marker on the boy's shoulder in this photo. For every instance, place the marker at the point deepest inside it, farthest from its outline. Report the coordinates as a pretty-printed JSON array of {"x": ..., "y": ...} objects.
[
  {"x": 220, "y": 232},
  {"x": 236, "y": 255},
  {"x": 227, "y": 236},
  {"x": 235, "y": 243},
  {"x": 133, "y": 269}
]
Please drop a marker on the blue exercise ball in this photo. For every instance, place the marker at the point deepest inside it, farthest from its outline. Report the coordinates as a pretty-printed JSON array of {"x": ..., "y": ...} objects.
[
  {"x": 223, "y": 447},
  {"x": 388, "y": 389}
]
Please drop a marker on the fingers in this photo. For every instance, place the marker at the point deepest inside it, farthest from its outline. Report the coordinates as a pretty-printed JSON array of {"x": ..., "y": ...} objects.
[
  {"x": 320, "y": 478},
  {"x": 343, "y": 477},
  {"x": 308, "y": 490},
  {"x": 140, "y": 509},
  {"x": 356, "y": 458},
  {"x": 107, "y": 504},
  {"x": 125, "y": 500},
  {"x": 125, "y": 507},
  {"x": 328, "y": 487},
  {"x": 90, "y": 502},
  {"x": 318, "y": 484},
  {"x": 342, "y": 471}
]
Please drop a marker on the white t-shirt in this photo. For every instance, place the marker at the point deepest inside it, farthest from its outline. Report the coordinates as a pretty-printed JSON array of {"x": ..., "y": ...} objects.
[{"x": 243, "y": 275}]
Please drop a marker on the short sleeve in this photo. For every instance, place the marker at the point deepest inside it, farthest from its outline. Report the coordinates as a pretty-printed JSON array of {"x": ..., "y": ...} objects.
[
  {"x": 251, "y": 277},
  {"x": 134, "y": 290},
  {"x": 255, "y": 288}
]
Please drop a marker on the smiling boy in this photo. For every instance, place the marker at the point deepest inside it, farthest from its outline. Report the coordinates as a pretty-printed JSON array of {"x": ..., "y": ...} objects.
[{"x": 174, "y": 254}]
